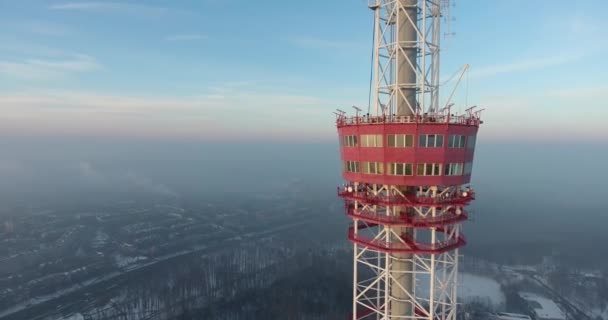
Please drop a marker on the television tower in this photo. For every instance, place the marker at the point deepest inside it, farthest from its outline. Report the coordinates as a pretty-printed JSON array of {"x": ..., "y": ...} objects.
[{"x": 407, "y": 166}]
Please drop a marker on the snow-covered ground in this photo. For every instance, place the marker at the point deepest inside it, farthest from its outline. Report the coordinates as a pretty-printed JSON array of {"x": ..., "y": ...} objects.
[
  {"x": 478, "y": 288},
  {"x": 473, "y": 288},
  {"x": 597, "y": 312},
  {"x": 139, "y": 263},
  {"x": 122, "y": 261},
  {"x": 101, "y": 239},
  {"x": 511, "y": 316},
  {"x": 44, "y": 298},
  {"x": 77, "y": 316},
  {"x": 545, "y": 308}
]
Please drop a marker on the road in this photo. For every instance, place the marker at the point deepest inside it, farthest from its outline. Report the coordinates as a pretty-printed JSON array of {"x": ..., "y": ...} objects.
[{"x": 571, "y": 310}]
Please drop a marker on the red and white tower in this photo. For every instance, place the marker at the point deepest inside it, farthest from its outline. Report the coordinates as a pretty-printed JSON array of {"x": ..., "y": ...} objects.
[{"x": 407, "y": 165}]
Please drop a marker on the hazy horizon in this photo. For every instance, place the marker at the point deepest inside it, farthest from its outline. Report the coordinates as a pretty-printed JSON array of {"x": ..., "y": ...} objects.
[{"x": 524, "y": 191}]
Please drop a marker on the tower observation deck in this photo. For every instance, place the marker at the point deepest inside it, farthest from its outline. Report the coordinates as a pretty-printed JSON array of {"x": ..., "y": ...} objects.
[{"x": 407, "y": 167}]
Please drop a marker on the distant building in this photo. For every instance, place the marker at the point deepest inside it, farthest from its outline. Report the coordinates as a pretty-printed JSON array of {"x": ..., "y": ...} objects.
[
  {"x": 542, "y": 307},
  {"x": 548, "y": 264},
  {"x": 9, "y": 227}
]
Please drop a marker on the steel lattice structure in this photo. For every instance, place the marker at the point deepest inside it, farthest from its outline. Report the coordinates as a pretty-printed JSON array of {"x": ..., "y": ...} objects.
[
  {"x": 407, "y": 167},
  {"x": 381, "y": 214},
  {"x": 406, "y": 55}
]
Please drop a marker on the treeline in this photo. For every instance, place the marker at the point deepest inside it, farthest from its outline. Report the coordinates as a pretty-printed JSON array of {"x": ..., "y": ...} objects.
[
  {"x": 253, "y": 279},
  {"x": 319, "y": 287},
  {"x": 172, "y": 290}
]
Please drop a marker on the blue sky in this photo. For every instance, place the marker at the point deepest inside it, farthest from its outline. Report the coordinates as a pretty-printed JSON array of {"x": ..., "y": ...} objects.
[{"x": 216, "y": 70}]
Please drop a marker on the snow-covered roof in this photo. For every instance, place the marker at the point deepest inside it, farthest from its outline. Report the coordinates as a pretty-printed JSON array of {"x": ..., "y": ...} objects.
[
  {"x": 544, "y": 307},
  {"x": 511, "y": 316}
]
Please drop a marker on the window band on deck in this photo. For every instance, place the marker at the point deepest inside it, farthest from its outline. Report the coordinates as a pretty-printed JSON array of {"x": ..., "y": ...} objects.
[
  {"x": 430, "y": 140},
  {"x": 400, "y": 140}
]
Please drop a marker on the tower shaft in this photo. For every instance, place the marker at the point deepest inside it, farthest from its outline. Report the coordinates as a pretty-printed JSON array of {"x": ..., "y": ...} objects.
[
  {"x": 404, "y": 16},
  {"x": 406, "y": 19}
]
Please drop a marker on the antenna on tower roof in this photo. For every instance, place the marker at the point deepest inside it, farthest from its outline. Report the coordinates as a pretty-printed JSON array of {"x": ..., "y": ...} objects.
[{"x": 448, "y": 18}]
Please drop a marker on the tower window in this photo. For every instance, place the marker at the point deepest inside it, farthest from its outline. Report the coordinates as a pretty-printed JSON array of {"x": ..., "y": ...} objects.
[
  {"x": 400, "y": 169},
  {"x": 351, "y": 166},
  {"x": 349, "y": 141},
  {"x": 453, "y": 169},
  {"x": 430, "y": 141},
  {"x": 428, "y": 169},
  {"x": 456, "y": 141},
  {"x": 373, "y": 167},
  {"x": 371, "y": 140},
  {"x": 401, "y": 140}
]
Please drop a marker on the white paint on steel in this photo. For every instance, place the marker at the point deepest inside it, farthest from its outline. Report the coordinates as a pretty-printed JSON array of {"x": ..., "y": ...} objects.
[
  {"x": 406, "y": 56},
  {"x": 433, "y": 292}
]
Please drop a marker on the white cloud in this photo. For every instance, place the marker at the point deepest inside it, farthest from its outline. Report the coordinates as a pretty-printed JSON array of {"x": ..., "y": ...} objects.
[
  {"x": 229, "y": 114},
  {"x": 37, "y": 27},
  {"x": 523, "y": 65},
  {"x": 546, "y": 47},
  {"x": 572, "y": 114},
  {"x": 29, "y": 49},
  {"x": 186, "y": 37},
  {"x": 93, "y": 103},
  {"x": 582, "y": 29},
  {"x": 78, "y": 63},
  {"x": 308, "y": 42},
  {"x": 87, "y": 6},
  {"x": 46, "y": 28},
  {"x": 594, "y": 92},
  {"x": 233, "y": 86},
  {"x": 108, "y": 6},
  {"x": 48, "y": 68},
  {"x": 588, "y": 27}
]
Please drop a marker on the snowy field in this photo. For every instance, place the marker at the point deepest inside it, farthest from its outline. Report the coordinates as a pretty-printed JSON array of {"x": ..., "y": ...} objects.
[
  {"x": 473, "y": 288},
  {"x": 483, "y": 289},
  {"x": 600, "y": 313},
  {"x": 544, "y": 308},
  {"x": 77, "y": 316}
]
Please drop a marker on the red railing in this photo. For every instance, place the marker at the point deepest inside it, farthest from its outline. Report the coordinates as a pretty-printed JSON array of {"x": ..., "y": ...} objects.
[
  {"x": 470, "y": 120},
  {"x": 361, "y": 314},
  {"x": 410, "y": 246},
  {"x": 368, "y": 197},
  {"x": 404, "y": 220}
]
